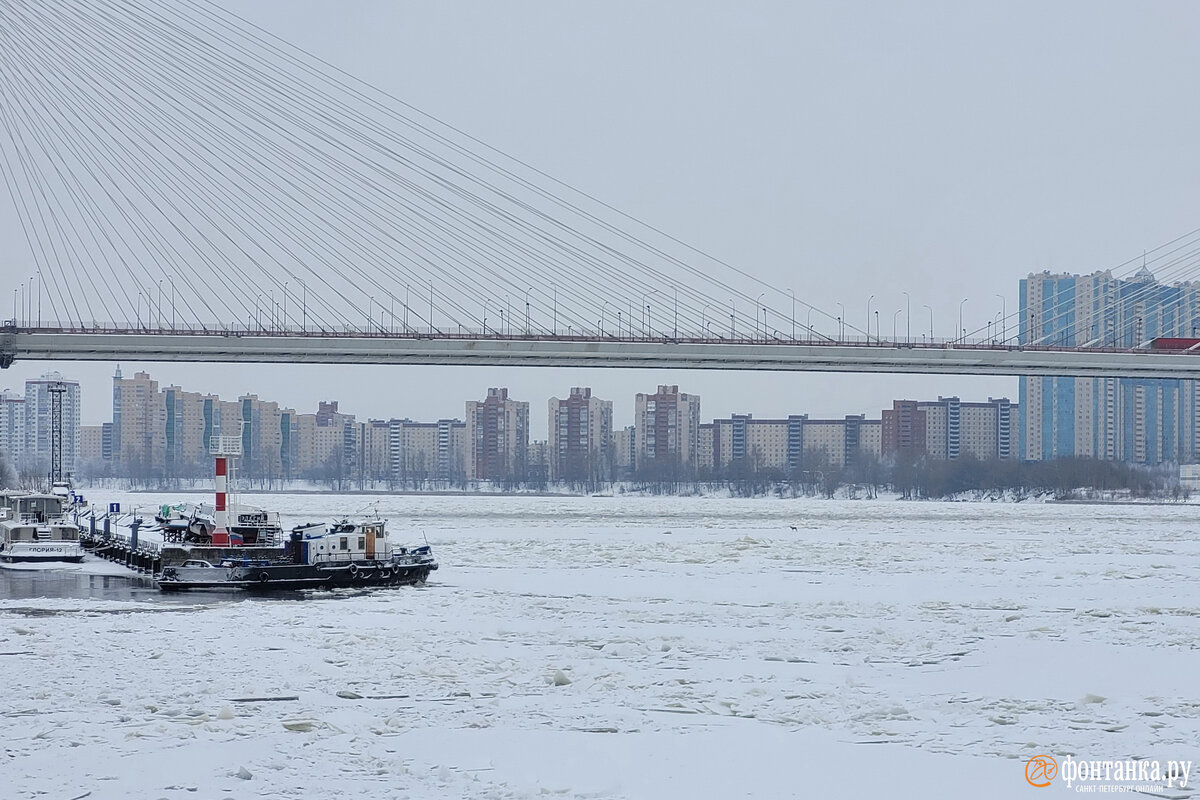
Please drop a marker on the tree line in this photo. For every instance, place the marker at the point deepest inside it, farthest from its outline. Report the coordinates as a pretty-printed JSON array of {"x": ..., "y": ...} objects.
[{"x": 865, "y": 476}]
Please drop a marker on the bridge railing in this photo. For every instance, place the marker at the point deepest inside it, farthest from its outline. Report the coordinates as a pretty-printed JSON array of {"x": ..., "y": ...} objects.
[{"x": 461, "y": 333}]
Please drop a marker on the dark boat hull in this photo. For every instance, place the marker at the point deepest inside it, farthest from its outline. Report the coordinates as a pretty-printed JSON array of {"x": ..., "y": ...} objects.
[{"x": 273, "y": 577}]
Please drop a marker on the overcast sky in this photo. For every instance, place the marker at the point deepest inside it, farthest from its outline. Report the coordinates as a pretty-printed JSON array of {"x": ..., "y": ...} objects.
[{"x": 843, "y": 150}]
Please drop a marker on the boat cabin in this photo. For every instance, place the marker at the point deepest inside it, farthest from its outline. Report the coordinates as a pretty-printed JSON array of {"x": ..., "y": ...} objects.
[
  {"x": 343, "y": 542},
  {"x": 38, "y": 518},
  {"x": 38, "y": 507}
]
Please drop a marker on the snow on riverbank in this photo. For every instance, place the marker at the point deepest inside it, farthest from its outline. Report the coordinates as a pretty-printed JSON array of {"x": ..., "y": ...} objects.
[{"x": 635, "y": 648}]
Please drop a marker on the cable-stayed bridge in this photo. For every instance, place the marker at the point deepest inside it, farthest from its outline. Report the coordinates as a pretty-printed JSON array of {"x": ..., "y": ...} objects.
[
  {"x": 191, "y": 188},
  {"x": 591, "y": 350}
]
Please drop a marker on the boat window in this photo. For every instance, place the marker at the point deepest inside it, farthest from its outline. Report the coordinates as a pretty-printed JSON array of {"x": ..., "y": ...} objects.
[
  {"x": 362, "y": 543},
  {"x": 345, "y": 543}
]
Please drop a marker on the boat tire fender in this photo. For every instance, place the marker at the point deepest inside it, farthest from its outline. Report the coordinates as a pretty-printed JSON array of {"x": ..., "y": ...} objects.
[
  {"x": 385, "y": 574},
  {"x": 353, "y": 570},
  {"x": 263, "y": 577}
]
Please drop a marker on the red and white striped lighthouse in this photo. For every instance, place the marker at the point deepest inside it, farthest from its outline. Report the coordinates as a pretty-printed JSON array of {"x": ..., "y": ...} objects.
[
  {"x": 222, "y": 487},
  {"x": 225, "y": 450}
]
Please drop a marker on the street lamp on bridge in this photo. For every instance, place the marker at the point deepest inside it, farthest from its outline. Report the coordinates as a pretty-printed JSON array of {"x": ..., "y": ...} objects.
[
  {"x": 1003, "y": 318},
  {"x": 793, "y": 294},
  {"x": 869, "y": 300},
  {"x": 925, "y": 305},
  {"x": 894, "y": 315},
  {"x": 757, "y": 305},
  {"x": 962, "y": 331},
  {"x": 646, "y": 319}
]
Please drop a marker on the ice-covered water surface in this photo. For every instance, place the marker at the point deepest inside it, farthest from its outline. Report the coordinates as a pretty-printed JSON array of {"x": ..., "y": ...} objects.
[{"x": 636, "y": 647}]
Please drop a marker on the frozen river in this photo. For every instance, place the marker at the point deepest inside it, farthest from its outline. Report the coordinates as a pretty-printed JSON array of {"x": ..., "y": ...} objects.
[{"x": 632, "y": 647}]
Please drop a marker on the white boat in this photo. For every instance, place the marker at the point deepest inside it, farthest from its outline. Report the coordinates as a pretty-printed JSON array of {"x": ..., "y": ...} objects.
[
  {"x": 35, "y": 527},
  {"x": 186, "y": 522},
  {"x": 195, "y": 523}
]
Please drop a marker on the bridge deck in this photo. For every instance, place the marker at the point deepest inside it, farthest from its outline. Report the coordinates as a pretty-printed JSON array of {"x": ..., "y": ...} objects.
[{"x": 589, "y": 351}]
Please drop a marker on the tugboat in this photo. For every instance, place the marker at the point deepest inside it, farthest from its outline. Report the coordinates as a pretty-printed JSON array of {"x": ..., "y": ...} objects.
[{"x": 345, "y": 554}]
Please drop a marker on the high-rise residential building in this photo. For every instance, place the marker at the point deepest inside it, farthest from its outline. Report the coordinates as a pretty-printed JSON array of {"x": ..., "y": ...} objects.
[
  {"x": 40, "y": 398},
  {"x": 191, "y": 420},
  {"x": 139, "y": 424},
  {"x": 498, "y": 432},
  {"x": 835, "y": 443},
  {"x": 742, "y": 443},
  {"x": 428, "y": 451},
  {"x": 949, "y": 428},
  {"x": 580, "y": 440},
  {"x": 91, "y": 446},
  {"x": 321, "y": 441},
  {"x": 269, "y": 439},
  {"x": 668, "y": 427},
  {"x": 903, "y": 430},
  {"x": 12, "y": 426},
  {"x": 625, "y": 450},
  {"x": 1147, "y": 421},
  {"x": 537, "y": 461},
  {"x": 706, "y": 466},
  {"x": 374, "y": 451}
]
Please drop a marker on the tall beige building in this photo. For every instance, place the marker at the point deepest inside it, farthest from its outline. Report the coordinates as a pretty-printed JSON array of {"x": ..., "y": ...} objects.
[
  {"x": 12, "y": 426},
  {"x": 191, "y": 420},
  {"x": 268, "y": 439},
  {"x": 748, "y": 443},
  {"x": 625, "y": 450},
  {"x": 91, "y": 445},
  {"x": 139, "y": 425},
  {"x": 837, "y": 443},
  {"x": 374, "y": 450},
  {"x": 579, "y": 446},
  {"x": 428, "y": 451},
  {"x": 324, "y": 440}
]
